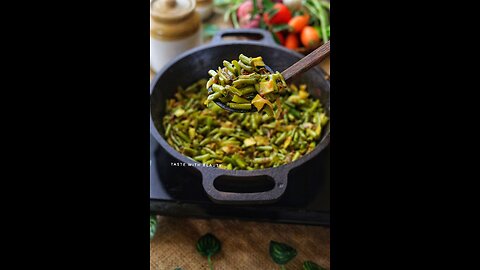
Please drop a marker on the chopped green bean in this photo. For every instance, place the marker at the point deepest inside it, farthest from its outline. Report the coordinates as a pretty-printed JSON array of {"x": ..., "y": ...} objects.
[
  {"x": 218, "y": 88},
  {"x": 234, "y": 90},
  {"x": 181, "y": 135},
  {"x": 245, "y": 60},
  {"x": 240, "y": 163},
  {"x": 246, "y": 78},
  {"x": 247, "y": 90},
  {"x": 212, "y": 73},
  {"x": 246, "y": 67},
  {"x": 239, "y": 141},
  {"x": 167, "y": 130},
  {"x": 240, "y": 106},
  {"x": 265, "y": 148},
  {"x": 238, "y": 99},
  {"x": 202, "y": 157},
  {"x": 229, "y": 66},
  {"x": 214, "y": 96},
  {"x": 237, "y": 67},
  {"x": 281, "y": 138},
  {"x": 189, "y": 151},
  {"x": 262, "y": 160},
  {"x": 243, "y": 82},
  {"x": 296, "y": 156}
]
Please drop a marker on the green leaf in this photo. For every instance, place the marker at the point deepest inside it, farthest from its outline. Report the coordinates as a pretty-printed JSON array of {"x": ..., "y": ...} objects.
[
  {"x": 255, "y": 8},
  {"x": 276, "y": 39},
  {"x": 153, "y": 226},
  {"x": 209, "y": 29},
  {"x": 267, "y": 5},
  {"x": 208, "y": 245},
  {"x": 280, "y": 27},
  {"x": 309, "y": 265},
  {"x": 281, "y": 253},
  {"x": 272, "y": 12}
]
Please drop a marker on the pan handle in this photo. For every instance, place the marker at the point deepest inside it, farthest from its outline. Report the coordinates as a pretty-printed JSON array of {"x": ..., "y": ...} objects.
[
  {"x": 265, "y": 36},
  {"x": 279, "y": 178}
]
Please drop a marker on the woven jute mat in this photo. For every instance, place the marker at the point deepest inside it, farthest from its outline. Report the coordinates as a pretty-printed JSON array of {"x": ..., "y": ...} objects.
[{"x": 244, "y": 244}]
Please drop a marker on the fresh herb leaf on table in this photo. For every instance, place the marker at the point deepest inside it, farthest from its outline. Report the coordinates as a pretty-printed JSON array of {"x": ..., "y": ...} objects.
[
  {"x": 281, "y": 253},
  {"x": 309, "y": 265},
  {"x": 153, "y": 226},
  {"x": 208, "y": 245}
]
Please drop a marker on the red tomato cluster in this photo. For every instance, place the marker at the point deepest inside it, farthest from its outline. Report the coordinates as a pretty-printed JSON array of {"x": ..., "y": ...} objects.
[{"x": 298, "y": 33}]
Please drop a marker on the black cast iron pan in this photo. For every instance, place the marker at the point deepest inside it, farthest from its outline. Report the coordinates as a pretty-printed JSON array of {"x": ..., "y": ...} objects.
[{"x": 239, "y": 186}]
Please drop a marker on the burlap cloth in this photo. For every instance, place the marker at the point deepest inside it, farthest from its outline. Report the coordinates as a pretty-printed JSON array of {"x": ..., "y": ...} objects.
[{"x": 244, "y": 244}]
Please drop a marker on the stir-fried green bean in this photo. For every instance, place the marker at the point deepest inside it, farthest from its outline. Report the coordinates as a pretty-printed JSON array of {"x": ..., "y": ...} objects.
[
  {"x": 238, "y": 141},
  {"x": 247, "y": 78}
]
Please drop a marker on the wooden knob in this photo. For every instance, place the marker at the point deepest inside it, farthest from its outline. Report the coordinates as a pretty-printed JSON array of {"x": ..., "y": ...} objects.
[{"x": 171, "y": 3}]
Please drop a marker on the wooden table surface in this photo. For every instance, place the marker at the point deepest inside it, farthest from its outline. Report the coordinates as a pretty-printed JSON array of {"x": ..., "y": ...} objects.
[{"x": 244, "y": 243}]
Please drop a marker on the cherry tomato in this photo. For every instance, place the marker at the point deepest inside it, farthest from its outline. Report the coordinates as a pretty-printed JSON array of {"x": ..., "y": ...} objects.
[
  {"x": 292, "y": 41},
  {"x": 310, "y": 37},
  {"x": 283, "y": 15},
  {"x": 297, "y": 23}
]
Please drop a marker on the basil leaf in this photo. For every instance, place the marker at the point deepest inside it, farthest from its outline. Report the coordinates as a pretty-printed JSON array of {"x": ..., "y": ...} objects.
[
  {"x": 208, "y": 245},
  {"x": 309, "y": 265},
  {"x": 281, "y": 253},
  {"x": 153, "y": 226}
]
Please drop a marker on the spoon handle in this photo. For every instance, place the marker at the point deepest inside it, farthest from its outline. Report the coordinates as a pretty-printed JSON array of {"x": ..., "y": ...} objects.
[{"x": 312, "y": 59}]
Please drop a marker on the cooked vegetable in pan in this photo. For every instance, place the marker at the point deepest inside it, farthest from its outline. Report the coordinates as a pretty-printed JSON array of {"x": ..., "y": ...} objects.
[
  {"x": 245, "y": 83},
  {"x": 240, "y": 141}
]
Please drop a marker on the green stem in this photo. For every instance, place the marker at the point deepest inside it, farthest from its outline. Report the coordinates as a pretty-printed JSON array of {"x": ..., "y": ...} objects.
[
  {"x": 283, "y": 267},
  {"x": 323, "y": 21},
  {"x": 235, "y": 20},
  {"x": 325, "y": 4},
  {"x": 210, "y": 264},
  {"x": 312, "y": 10}
]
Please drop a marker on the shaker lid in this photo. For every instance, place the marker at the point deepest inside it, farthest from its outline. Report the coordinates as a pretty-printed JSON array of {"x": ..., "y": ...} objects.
[{"x": 170, "y": 10}]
